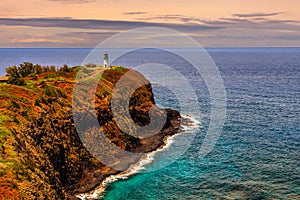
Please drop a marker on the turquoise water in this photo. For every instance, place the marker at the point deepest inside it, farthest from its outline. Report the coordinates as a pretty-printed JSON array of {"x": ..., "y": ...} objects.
[{"x": 257, "y": 155}]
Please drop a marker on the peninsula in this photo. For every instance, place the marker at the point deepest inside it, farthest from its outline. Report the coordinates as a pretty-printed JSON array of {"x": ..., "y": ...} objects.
[{"x": 42, "y": 156}]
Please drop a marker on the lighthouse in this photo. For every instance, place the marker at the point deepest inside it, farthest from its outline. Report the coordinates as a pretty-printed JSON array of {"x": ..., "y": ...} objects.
[{"x": 105, "y": 60}]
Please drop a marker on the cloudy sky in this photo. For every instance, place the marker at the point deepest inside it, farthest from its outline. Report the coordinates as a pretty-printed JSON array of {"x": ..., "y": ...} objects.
[{"x": 213, "y": 23}]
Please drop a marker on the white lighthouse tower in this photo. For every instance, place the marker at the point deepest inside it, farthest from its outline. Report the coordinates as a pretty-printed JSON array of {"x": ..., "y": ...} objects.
[{"x": 105, "y": 60}]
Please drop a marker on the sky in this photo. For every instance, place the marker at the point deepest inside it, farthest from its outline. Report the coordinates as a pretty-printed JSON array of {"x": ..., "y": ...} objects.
[{"x": 212, "y": 23}]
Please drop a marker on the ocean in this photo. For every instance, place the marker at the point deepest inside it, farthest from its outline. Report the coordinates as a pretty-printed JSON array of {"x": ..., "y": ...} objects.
[{"x": 257, "y": 153}]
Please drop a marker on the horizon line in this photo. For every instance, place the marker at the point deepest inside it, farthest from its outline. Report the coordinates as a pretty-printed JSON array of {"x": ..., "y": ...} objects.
[{"x": 205, "y": 47}]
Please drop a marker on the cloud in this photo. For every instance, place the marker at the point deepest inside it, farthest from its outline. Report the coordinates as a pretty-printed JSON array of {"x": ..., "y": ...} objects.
[
  {"x": 134, "y": 13},
  {"x": 192, "y": 24},
  {"x": 35, "y": 40},
  {"x": 181, "y": 18},
  {"x": 282, "y": 21},
  {"x": 261, "y": 29},
  {"x": 236, "y": 21},
  {"x": 257, "y": 14},
  {"x": 288, "y": 37},
  {"x": 98, "y": 24},
  {"x": 73, "y": 1},
  {"x": 45, "y": 40},
  {"x": 229, "y": 20},
  {"x": 87, "y": 34}
]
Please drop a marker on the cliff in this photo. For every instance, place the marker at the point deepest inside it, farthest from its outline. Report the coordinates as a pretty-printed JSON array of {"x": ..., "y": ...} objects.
[{"x": 42, "y": 156}]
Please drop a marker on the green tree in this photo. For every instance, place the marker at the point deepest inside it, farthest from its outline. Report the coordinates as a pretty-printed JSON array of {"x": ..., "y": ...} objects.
[
  {"x": 25, "y": 69},
  {"x": 65, "y": 68},
  {"x": 46, "y": 69},
  {"x": 37, "y": 69},
  {"x": 14, "y": 76},
  {"x": 12, "y": 71},
  {"x": 52, "y": 68}
]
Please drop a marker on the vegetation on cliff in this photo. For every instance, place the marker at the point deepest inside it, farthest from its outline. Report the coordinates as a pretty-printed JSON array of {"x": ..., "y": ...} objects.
[{"x": 42, "y": 156}]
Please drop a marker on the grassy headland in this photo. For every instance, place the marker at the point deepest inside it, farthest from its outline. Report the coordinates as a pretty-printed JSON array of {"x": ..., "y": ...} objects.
[{"x": 41, "y": 154}]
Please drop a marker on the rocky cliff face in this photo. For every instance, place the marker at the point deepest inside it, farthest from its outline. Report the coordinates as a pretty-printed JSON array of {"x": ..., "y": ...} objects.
[{"x": 50, "y": 161}]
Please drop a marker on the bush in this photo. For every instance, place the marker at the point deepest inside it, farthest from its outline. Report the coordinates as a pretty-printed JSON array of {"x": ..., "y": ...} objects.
[
  {"x": 52, "y": 69},
  {"x": 64, "y": 68},
  {"x": 37, "y": 69},
  {"x": 44, "y": 101},
  {"x": 17, "y": 74},
  {"x": 24, "y": 113},
  {"x": 14, "y": 76},
  {"x": 16, "y": 81},
  {"x": 25, "y": 69},
  {"x": 49, "y": 91},
  {"x": 61, "y": 93},
  {"x": 119, "y": 68}
]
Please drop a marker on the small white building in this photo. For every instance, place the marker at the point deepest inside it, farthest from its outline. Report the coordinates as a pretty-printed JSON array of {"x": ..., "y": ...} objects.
[{"x": 105, "y": 60}]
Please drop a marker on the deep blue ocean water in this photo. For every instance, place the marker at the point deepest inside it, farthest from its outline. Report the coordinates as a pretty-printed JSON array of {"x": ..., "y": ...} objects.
[{"x": 257, "y": 154}]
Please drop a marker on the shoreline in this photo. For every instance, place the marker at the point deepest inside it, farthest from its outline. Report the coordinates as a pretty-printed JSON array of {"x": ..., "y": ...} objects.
[{"x": 98, "y": 192}]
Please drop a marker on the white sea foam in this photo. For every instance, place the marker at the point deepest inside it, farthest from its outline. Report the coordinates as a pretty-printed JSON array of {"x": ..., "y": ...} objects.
[
  {"x": 143, "y": 162},
  {"x": 190, "y": 126}
]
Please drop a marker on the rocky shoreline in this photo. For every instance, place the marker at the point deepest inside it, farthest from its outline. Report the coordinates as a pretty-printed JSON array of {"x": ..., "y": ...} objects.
[
  {"x": 150, "y": 144},
  {"x": 162, "y": 141}
]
